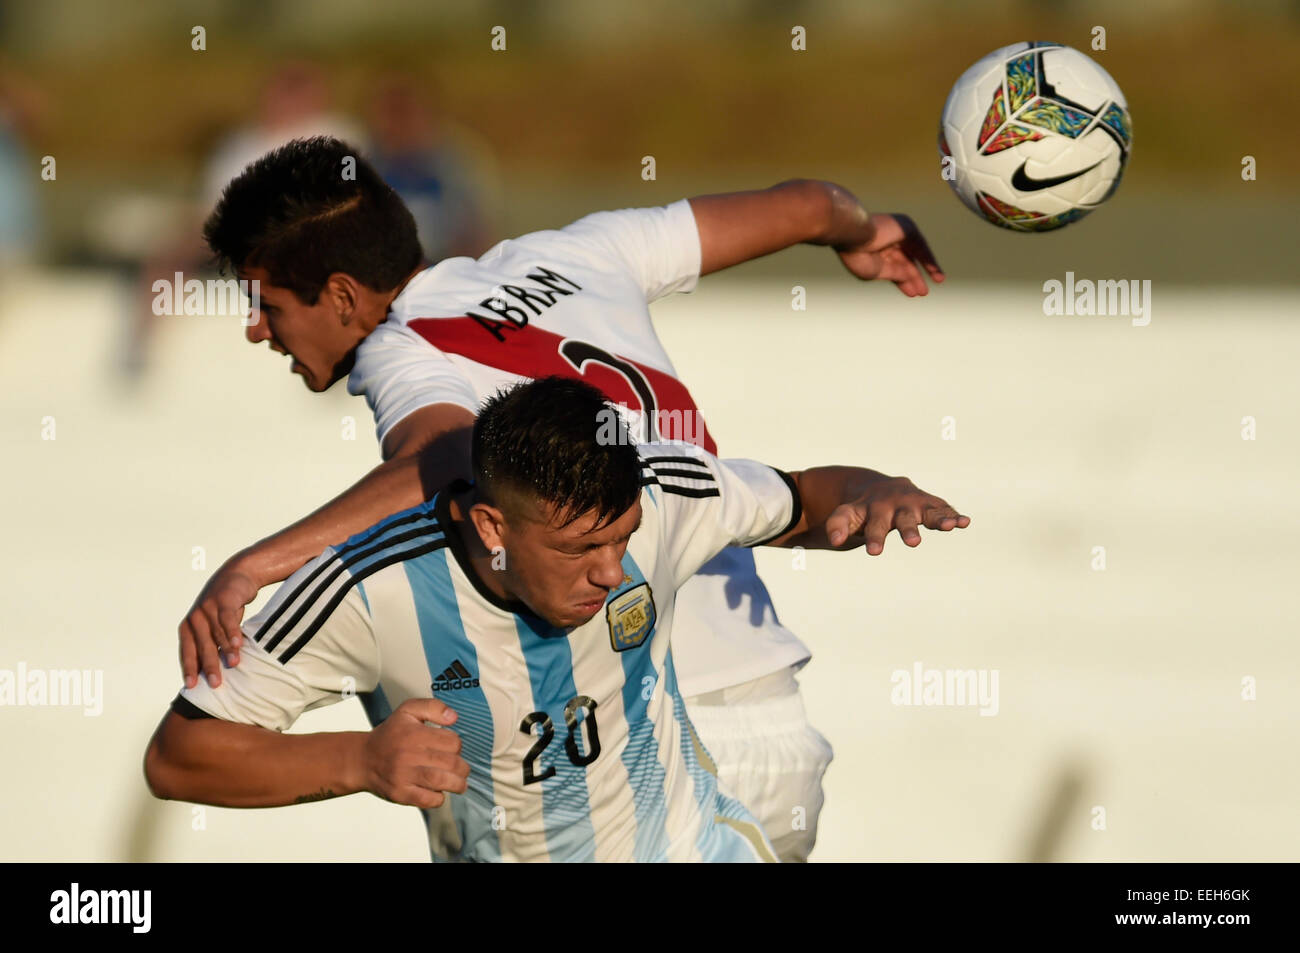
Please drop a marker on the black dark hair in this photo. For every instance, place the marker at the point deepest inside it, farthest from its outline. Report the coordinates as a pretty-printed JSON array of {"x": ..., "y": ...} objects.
[
  {"x": 560, "y": 441},
  {"x": 301, "y": 214}
]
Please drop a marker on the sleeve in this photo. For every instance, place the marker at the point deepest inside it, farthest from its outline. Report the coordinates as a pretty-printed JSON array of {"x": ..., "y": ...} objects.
[
  {"x": 399, "y": 372},
  {"x": 707, "y": 504},
  {"x": 659, "y": 247},
  {"x": 312, "y": 645}
]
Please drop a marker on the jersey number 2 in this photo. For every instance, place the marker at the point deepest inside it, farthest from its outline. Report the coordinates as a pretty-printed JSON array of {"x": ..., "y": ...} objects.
[{"x": 547, "y": 734}]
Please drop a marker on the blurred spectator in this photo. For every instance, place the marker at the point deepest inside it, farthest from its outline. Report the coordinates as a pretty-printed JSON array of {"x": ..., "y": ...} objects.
[
  {"x": 20, "y": 172},
  {"x": 439, "y": 170},
  {"x": 295, "y": 103}
]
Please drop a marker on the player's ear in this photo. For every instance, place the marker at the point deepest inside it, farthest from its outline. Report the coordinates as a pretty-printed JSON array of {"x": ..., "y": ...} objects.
[
  {"x": 490, "y": 524},
  {"x": 343, "y": 294}
]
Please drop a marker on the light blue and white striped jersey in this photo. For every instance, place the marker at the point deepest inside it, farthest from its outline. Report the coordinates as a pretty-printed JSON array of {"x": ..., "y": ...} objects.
[{"x": 578, "y": 741}]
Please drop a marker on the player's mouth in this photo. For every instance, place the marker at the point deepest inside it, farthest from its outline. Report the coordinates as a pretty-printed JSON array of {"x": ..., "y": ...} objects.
[
  {"x": 281, "y": 349},
  {"x": 295, "y": 366},
  {"x": 593, "y": 606}
]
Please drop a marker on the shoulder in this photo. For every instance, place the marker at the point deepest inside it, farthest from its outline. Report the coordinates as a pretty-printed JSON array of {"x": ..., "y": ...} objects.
[
  {"x": 397, "y": 535},
  {"x": 680, "y": 468},
  {"x": 619, "y": 227},
  {"x": 308, "y": 598}
]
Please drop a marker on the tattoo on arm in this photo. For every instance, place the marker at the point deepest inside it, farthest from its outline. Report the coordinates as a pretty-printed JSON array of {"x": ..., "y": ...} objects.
[{"x": 324, "y": 794}]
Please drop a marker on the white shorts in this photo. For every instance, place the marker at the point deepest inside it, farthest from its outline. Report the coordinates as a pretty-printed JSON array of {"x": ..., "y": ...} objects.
[{"x": 768, "y": 756}]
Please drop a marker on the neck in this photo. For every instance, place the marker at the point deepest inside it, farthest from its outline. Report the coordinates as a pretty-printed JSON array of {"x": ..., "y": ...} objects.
[{"x": 390, "y": 298}]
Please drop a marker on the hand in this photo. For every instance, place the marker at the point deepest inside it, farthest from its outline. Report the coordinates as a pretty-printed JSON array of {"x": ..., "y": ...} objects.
[
  {"x": 898, "y": 252},
  {"x": 408, "y": 762},
  {"x": 212, "y": 624},
  {"x": 889, "y": 504}
]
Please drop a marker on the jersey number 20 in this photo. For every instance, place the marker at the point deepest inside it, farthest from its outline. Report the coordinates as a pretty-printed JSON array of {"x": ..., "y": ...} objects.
[{"x": 547, "y": 734}]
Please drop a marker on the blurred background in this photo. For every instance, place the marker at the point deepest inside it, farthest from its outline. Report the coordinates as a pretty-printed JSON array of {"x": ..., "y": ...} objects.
[{"x": 141, "y": 451}]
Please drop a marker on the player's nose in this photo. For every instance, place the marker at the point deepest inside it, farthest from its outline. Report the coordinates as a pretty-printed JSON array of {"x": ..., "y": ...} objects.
[
  {"x": 256, "y": 331},
  {"x": 607, "y": 573}
]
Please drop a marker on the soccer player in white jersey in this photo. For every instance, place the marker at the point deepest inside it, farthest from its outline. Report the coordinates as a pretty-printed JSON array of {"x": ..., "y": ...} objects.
[
  {"x": 343, "y": 291},
  {"x": 539, "y": 605}
]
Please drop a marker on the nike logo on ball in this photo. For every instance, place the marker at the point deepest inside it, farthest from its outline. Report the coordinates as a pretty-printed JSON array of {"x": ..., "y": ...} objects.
[{"x": 1023, "y": 183}]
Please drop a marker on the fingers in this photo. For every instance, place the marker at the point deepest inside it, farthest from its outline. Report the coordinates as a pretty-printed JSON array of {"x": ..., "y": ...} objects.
[
  {"x": 931, "y": 266},
  {"x": 412, "y": 796},
  {"x": 424, "y": 765},
  {"x": 428, "y": 709},
  {"x": 905, "y": 240},
  {"x": 429, "y": 785},
  {"x": 879, "y": 522},
  {"x": 846, "y": 520},
  {"x": 905, "y": 512},
  {"x": 934, "y": 513},
  {"x": 944, "y": 518},
  {"x": 915, "y": 286},
  {"x": 209, "y": 659},
  {"x": 454, "y": 778},
  {"x": 918, "y": 249},
  {"x": 437, "y": 743},
  {"x": 905, "y": 522},
  {"x": 228, "y": 620},
  {"x": 902, "y": 271},
  {"x": 215, "y": 631},
  {"x": 189, "y": 655}
]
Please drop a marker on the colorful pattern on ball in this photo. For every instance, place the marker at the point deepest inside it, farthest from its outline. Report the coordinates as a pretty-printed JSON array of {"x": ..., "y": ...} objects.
[
  {"x": 1056, "y": 221},
  {"x": 1022, "y": 81},
  {"x": 993, "y": 118},
  {"x": 1003, "y": 213},
  {"x": 1117, "y": 118},
  {"x": 1021, "y": 220},
  {"x": 1011, "y": 135},
  {"x": 1052, "y": 115}
]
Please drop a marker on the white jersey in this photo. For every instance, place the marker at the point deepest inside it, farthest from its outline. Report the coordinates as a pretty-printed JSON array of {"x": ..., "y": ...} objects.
[
  {"x": 575, "y": 302},
  {"x": 578, "y": 740}
]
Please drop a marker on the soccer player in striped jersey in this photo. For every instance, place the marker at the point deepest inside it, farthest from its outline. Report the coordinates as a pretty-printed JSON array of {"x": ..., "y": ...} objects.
[
  {"x": 344, "y": 293},
  {"x": 527, "y": 618}
]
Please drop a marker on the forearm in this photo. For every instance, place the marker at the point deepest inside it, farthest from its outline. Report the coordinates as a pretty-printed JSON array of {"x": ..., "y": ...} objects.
[
  {"x": 419, "y": 463},
  {"x": 209, "y": 761},
  {"x": 740, "y": 226},
  {"x": 392, "y": 486}
]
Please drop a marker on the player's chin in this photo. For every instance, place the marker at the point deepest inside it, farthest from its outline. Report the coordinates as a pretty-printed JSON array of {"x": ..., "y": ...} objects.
[{"x": 311, "y": 381}]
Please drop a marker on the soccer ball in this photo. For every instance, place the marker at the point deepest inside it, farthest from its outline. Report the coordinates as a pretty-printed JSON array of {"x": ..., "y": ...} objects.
[{"x": 1034, "y": 136}]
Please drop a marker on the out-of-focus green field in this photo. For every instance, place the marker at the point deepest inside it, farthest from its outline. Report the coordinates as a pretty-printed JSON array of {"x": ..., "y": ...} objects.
[
  {"x": 712, "y": 90},
  {"x": 1119, "y": 689}
]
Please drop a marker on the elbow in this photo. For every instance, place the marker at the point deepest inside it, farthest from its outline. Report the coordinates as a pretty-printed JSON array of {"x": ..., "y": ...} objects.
[
  {"x": 822, "y": 206},
  {"x": 158, "y": 774}
]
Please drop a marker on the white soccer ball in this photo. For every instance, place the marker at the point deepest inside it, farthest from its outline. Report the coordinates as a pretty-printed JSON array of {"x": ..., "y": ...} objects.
[{"x": 1034, "y": 136}]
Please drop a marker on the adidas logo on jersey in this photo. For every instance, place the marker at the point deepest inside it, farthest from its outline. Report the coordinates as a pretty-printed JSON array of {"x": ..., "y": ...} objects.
[{"x": 456, "y": 676}]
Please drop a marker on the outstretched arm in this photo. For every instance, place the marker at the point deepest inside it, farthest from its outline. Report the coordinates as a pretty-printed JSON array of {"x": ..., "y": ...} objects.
[
  {"x": 738, "y": 226},
  {"x": 847, "y": 507},
  {"x": 423, "y": 453}
]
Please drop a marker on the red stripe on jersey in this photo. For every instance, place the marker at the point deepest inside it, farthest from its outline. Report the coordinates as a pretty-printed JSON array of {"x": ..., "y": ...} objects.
[{"x": 532, "y": 352}]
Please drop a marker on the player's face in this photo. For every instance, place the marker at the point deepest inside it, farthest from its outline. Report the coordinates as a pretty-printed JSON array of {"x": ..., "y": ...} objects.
[
  {"x": 310, "y": 334},
  {"x": 564, "y": 574}
]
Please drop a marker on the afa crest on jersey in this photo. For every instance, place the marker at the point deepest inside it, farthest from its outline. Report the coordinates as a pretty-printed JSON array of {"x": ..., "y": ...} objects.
[{"x": 631, "y": 617}]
